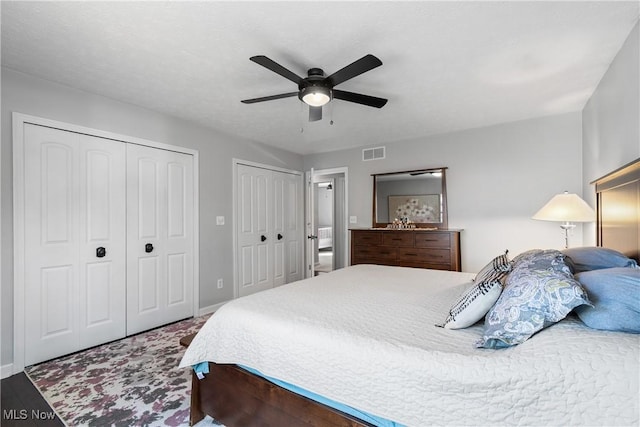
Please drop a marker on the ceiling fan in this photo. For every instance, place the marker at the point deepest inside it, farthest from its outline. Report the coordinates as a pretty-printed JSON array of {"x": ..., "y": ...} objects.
[{"x": 317, "y": 89}]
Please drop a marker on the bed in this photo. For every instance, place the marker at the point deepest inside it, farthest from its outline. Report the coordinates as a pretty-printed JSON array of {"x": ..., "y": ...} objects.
[
  {"x": 325, "y": 237},
  {"x": 358, "y": 347}
]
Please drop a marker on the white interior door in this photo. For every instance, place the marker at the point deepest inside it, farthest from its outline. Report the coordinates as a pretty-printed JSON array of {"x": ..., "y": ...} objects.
[
  {"x": 287, "y": 229},
  {"x": 102, "y": 235},
  {"x": 293, "y": 228},
  {"x": 311, "y": 226},
  {"x": 254, "y": 229},
  {"x": 340, "y": 224},
  {"x": 279, "y": 184},
  {"x": 74, "y": 204},
  {"x": 269, "y": 231},
  {"x": 159, "y": 237}
]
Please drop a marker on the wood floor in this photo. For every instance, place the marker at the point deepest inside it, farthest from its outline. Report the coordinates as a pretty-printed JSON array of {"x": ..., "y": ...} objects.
[{"x": 22, "y": 405}]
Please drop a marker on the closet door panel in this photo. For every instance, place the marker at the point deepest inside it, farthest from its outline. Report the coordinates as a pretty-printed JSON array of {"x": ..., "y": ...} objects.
[
  {"x": 179, "y": 239},
  {"x": 148, "y": 300},
  {"x": 102, "y": 232},
  {"x": 160, "y": 238},
  {"x": 293, "y": 225},
  {"x": 262, "y": 236},
  {"x": 279, "y": 207},
  {"x": 51, "y": 243},
  {"x": 146, "y": 280},
  {"x": 254, "y": 234}
]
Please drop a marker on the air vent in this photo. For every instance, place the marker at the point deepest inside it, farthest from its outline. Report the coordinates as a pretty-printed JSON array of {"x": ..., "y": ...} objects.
[{"x": 375, "y": 153}]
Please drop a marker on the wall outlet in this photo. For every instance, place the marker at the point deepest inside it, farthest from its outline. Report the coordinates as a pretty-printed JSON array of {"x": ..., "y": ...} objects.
[
  {"x": 219, "y": 220},
  {"x": 220, "y": 283},
  {"x": 353, "y": 219}
]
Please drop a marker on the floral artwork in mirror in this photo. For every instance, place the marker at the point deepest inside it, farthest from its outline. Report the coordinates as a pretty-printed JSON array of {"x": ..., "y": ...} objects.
[
  {"x": 418, "y": 197},
  {"x": 415, "y": 208}
]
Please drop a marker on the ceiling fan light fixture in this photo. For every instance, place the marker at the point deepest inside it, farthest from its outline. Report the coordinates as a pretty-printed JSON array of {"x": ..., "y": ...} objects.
[{"x": 315, "y": 96}]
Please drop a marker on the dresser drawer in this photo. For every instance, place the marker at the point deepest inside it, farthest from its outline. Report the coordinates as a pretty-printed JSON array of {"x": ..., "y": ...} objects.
[
  {"x": 367, "y": 238},
  {"x": 433, "y": 240},
  {"x": 424, "y": 255},
  {"x": 398, "y": 239},
  {"x": 363, "y": 254}
]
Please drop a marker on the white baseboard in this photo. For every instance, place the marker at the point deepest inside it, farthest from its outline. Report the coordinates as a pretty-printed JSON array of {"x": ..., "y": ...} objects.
[
  {"x": 6, "y": 371},
  {"x": 210, "y": 309}
]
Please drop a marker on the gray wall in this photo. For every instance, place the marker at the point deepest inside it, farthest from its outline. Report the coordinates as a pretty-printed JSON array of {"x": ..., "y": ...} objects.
[
  {"x": 28, "y": 95},
  {"x": 611, "y": 119},
  {"x": 498, "y": 177}
]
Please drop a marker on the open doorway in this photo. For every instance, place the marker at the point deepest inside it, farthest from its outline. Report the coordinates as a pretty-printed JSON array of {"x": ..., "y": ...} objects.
[
  {"x": 324, "y": 206},
  {"x": 327, "y": 221}
]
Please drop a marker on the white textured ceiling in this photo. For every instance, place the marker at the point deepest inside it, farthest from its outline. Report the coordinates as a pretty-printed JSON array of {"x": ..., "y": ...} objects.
[{"x": 447, "y": 65}]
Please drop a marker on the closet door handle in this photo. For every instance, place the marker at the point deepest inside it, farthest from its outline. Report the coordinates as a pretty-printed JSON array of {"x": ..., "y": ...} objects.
[
  {"x": 100, "y": 252},
  {"x": 148, "y": 248},
  {"x": 279, "y": 236},
  {"x": 263, "y": 238}
]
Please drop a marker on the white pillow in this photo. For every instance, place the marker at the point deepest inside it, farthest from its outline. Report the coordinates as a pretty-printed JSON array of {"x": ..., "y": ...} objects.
[
  {"x": 474, "y": 303},
  {"x": 477, "y": 300}
]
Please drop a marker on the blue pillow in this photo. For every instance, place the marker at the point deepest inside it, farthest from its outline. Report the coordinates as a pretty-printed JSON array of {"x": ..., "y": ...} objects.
[
  {"x": 539, "y": 291},
  {"x": 615, "y": 294},
  {"x": 595, "y": 258}
]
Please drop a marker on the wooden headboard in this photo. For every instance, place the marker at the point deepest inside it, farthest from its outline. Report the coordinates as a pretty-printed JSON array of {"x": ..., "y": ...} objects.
[{"x": 618, "y": 210}]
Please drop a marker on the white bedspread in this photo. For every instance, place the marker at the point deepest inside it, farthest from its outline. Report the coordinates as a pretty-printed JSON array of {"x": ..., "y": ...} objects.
[{"x": 365, "y": 336}]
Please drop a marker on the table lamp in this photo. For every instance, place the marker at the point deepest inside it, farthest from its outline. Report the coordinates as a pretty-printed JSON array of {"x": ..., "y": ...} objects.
[{"x": 566, "y": 208}]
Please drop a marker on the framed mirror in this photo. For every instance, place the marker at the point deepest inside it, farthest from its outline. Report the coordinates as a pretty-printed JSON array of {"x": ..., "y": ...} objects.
[{"x": 419, "y": 196}]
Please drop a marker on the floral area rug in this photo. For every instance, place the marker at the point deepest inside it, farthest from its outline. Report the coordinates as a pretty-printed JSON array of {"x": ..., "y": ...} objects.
[{"x": 131, "y": 382}]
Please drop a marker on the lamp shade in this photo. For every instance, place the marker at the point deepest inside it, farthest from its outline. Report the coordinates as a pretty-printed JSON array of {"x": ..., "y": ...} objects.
[{"x": 567, "y": 207}]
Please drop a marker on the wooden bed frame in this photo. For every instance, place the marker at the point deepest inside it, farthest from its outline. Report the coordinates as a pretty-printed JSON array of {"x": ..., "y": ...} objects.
[
  {"x": 618, "y": 210},
  {"x": 238, "y": 398}
]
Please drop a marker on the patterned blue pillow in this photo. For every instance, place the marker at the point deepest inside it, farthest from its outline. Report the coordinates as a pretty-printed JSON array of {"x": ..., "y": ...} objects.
[{"x": 539, "y": 291}]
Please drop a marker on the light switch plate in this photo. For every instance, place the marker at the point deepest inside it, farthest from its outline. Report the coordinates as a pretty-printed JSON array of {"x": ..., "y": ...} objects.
[
  {"x": 353, "y": 219},
  {"x": 219, "y": 220}
]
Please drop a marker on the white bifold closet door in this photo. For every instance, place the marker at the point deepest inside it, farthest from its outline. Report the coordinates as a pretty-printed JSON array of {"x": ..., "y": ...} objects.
[
  {"x": 74, "y": 242},
  {"x": 108, "y": 240},
  {"x": 269, "y": 228},
  {"x": 160, "y": 237}
]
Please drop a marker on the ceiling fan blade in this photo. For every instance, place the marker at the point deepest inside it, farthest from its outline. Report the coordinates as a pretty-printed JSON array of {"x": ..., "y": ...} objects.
[
  {"x": 362, "y": 65},
  {"x": 269, "y": 98},
  {"x": 359, "y": 98},
  {"x": 276, "y": 68},
  {"x": 315, "y": 114}
]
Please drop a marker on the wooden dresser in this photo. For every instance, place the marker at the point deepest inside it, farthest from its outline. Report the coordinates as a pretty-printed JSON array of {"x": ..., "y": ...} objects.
[{"x": 437, "y": 249}]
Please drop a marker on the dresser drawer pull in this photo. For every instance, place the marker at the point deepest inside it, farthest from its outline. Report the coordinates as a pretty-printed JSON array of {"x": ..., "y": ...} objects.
[{"x": 409, "y": 254}]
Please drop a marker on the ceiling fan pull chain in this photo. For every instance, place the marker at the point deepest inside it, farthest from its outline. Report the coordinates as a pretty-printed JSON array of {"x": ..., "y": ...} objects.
[{"x": 331, "y": 114}]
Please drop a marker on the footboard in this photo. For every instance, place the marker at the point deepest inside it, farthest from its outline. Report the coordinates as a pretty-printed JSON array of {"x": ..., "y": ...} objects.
[{"x": 238, "y": 398}]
